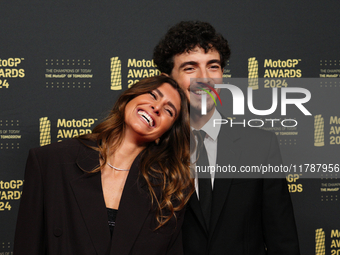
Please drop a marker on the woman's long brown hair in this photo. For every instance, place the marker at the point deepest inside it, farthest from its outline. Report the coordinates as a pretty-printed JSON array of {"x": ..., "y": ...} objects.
[{"x": 164, "y": 167}]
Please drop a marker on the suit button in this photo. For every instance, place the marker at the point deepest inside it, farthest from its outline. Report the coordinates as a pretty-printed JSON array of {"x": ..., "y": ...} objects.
[{"x": 57, "y": 232}]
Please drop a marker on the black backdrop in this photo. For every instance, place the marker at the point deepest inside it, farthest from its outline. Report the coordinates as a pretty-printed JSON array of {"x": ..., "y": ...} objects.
[{"x": 63, "y": 64}]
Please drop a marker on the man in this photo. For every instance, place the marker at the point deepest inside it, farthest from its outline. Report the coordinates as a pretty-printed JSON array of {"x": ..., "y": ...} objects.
[{"x": 241, "y": 216}]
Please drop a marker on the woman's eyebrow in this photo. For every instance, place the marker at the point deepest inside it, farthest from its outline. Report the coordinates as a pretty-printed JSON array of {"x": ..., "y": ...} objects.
[{"x": 159, "y": 92}]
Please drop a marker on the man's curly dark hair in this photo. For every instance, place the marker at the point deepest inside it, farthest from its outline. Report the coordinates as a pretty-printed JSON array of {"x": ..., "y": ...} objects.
[{"x": 184, "y": 37}]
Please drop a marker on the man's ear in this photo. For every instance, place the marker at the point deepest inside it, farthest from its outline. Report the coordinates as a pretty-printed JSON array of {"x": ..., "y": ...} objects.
[{"x": 165, "y": 74}]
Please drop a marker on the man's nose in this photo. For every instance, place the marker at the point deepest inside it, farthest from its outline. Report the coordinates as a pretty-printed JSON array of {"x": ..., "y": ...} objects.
[
  {"x": 203, "y": 77},
  {"x": 203, "y": 73}
]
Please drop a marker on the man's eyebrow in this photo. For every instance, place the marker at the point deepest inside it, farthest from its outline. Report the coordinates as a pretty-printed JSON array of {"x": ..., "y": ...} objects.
[
  {"x": 214, "y": 61},
  {"x": 193, "y": 63},
  {"x": 169, "y": 103}
]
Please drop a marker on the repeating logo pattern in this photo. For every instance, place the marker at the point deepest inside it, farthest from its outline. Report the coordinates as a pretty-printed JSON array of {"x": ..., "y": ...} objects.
[
  {"x": 320, "y": 242},
  {"x": 45, "y": 131},
  {"x": 116, "y": 74},
  {"x": 253, "y": 73},
  {"x": 319, "y": 134}
]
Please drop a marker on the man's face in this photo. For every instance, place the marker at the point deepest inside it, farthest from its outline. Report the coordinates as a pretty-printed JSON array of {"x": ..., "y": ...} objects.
[{"x": 205, "y": 68}]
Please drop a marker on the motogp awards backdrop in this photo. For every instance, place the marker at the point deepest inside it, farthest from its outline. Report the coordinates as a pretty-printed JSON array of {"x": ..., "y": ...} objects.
[{"x": 64, "y": 63}]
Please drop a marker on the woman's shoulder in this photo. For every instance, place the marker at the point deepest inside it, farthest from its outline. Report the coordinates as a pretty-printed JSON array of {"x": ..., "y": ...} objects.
[
  {"x": 63, "y": 145},
  {"x": 61, "y": 150}
]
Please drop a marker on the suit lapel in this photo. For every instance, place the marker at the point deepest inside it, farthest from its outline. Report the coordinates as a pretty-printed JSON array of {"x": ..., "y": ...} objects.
[
  {"x": 132, "y": 212},
  {"x": 89, "y": 195},
  {"x": 228, "y": 152},
  {"x": 196, "y": 209},
  {"x": 134, "y": 207}
]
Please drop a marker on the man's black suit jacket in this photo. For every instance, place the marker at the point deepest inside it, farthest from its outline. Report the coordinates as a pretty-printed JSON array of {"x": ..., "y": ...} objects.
[
  {"x": 62, "y": 209},
  {"x": 249, "y": 216}
]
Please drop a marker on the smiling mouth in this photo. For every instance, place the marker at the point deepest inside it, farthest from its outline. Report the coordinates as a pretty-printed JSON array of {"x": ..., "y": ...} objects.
[
  {"x": 147, "y": 117},
  {"x": 197, "y": 88},
  {"x": 197, "y": 91}
]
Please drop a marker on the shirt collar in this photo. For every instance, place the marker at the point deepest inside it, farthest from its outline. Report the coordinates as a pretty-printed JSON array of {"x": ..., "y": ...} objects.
[{"x": 209, "y": 128}]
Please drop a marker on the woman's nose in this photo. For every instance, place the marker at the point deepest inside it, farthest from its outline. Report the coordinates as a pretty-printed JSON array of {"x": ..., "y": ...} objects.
[{"x": 155, "y": 107}]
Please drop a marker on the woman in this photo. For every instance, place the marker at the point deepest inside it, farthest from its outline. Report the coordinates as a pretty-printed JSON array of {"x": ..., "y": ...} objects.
[{"x": 135, "y": 164}]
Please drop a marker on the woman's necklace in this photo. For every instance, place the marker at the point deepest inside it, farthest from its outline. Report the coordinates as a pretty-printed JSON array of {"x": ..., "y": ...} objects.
[{"x": 116, "y": 168}]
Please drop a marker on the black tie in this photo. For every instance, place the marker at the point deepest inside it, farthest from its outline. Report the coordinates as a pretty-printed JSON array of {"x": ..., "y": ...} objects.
[{"x": 204, "y": 178}]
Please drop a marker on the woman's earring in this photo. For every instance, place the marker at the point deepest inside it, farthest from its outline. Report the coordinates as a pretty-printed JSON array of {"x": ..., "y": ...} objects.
[{"x": 157, "y": 141}]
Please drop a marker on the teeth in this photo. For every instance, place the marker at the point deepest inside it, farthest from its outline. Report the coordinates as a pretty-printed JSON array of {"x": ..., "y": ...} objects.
[
  {"x": 146, "y": 117},
  {"x": 200, "y": 92}
]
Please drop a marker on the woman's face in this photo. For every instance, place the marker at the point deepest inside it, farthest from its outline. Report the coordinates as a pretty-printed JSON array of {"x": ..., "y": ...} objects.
[{"x": 149, "y": 116}]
